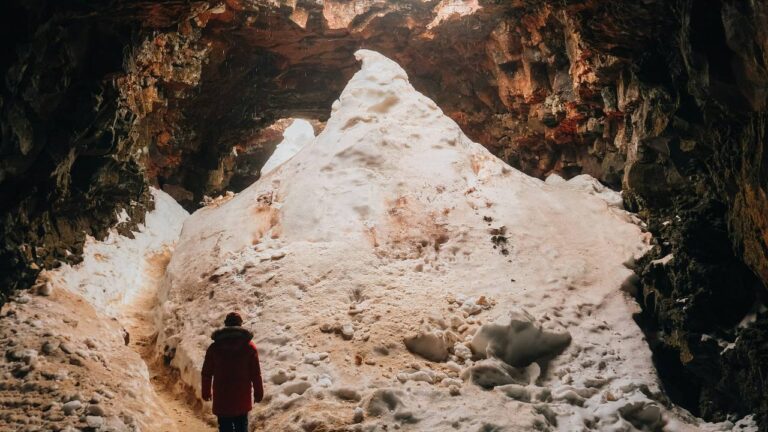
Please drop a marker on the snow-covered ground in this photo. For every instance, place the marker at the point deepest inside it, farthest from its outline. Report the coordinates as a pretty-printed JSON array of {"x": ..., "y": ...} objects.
[
  {"x": 69, "y": 362},
  {"x": 398, "y": 275}
]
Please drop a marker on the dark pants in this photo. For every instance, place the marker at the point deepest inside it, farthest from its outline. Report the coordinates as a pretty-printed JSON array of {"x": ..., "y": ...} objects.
[{"x": 233, "y": 424}]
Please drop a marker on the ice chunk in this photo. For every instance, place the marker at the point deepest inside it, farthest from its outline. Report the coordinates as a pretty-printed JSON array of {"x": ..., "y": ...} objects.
[
  {"x": 518, "y": 343},
  {"x": 325, "y": 381},
  {"x": 424, "y": 376},
  {"x": 382, "y": 401},
  {"x": 516, "y": 391},
  {"x": 462, "y": 351},
  {"x": 315, "y": 358},
  {"x": 346, "y": 393},
  {"x": 281, "y": 376},
  {"x": 296, "y": 387},
  {"x": 490, "y": 373},
  {"x": 590, "y": 185},
  {"x": 432, "y": 345},
  {"x": 644, "y": 416}
]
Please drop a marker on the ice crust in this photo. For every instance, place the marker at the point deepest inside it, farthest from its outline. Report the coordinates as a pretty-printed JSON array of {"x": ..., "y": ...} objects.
[
  {"x": 590, "y": 185},
  {"x": 381, "y": 267}
]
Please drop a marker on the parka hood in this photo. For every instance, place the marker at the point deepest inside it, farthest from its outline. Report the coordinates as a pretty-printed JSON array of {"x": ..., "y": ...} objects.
[{"x": 231, "y": 333}]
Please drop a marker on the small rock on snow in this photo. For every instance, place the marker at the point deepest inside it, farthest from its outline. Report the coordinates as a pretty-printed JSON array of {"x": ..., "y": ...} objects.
[
  {"x": 430, "y": 345},
  {"x": 95, "y": 410},
  {"x": 49, "y": 347},
  {"x": 347, "y": 331},
  {"x": 357, "y": 416},
  {"x": 94, "y": 421},
  {"x": 70, "y": 407}
]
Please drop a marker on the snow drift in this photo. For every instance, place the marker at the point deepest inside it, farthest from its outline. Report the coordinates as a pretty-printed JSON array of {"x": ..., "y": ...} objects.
[
  {"x": 295, "y": 137},
  {"x": 381, "y": 268},
  {"x": 113, "y": 270}
]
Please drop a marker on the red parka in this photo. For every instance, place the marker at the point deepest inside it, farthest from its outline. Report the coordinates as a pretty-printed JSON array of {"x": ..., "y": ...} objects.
[{"x": 232, "y": 363}]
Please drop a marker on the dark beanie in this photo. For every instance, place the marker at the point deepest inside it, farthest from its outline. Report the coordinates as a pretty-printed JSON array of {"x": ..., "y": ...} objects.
[{"x": 233, "y": 319}]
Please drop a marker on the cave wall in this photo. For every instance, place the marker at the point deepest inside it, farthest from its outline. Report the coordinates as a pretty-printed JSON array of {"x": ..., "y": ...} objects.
[
  {"x": 686, "y": 84},
  {"x": 64, "y": 161},
  {"x": 696, "y": 171},
  {"x": 665, "y": 99}
]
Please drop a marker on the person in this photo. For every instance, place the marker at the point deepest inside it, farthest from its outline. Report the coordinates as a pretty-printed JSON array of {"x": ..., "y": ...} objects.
[{"x": 232, "y": 363}]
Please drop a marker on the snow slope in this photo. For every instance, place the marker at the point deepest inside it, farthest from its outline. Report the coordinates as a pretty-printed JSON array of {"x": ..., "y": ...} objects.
[
  {"x": 396, "y": 274},
  {"x": 112, "y": 271},
  {"x": 295, "y": 137}
]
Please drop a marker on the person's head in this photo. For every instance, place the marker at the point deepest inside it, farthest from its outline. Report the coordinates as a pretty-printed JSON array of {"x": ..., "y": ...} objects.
[{"x": 233, "y": 319}]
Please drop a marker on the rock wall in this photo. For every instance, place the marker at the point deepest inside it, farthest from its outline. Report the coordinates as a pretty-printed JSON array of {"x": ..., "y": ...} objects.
[
  {"x": 683, "y": 89},
  {"x": 65, "y": 167},
  {"x": 664, "y": 99},
  {"x": 696, "y": 170}
]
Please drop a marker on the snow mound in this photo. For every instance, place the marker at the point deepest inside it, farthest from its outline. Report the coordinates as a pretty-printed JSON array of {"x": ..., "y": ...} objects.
[
  {"x": 113, "y": 270},
  {"x": 295, "y": 137},
  {"x": 371, "y": 262},
  {"x": 590, "y": 185}
]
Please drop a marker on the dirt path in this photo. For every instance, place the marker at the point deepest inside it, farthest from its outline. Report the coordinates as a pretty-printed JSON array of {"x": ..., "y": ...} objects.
[{"x": 138, "y": 320}]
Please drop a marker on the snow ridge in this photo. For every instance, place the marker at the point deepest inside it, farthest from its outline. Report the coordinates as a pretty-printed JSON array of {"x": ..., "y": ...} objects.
[{"x": 112, "y": 271}]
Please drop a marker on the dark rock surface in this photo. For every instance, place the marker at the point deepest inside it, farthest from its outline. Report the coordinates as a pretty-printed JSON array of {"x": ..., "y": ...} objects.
[
  {"x": 663, "y": 98},
  {"x": 65, "y": 165}
]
